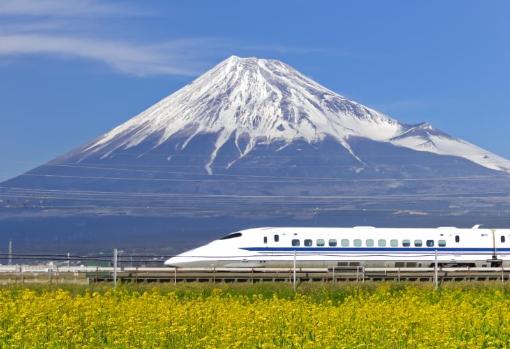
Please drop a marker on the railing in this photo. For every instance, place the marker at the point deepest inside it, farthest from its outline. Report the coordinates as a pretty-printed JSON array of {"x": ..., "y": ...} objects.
[{"x": 82, "y": 274}]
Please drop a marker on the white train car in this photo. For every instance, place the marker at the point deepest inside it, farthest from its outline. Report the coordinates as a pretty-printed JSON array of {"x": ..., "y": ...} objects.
[{"x": 358, "y": 246}]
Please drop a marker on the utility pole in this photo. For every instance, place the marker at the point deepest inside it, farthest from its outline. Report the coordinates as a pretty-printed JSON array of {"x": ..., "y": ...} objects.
[
  {"x": 68, "y": 260},
  {"x": 114, "y": 268},
  {"x": 9, "y": 261},
  {"x": 294, "y": 273},
  {"x": 436, "y": 285}
]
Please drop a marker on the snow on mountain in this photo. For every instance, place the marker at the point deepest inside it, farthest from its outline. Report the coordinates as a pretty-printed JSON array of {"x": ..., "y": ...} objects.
[
  {"x": 424, "y": 137},
  {"x": 260, "y": 101}
]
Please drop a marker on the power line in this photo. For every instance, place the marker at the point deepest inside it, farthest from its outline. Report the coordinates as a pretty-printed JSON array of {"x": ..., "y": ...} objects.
[
  {"x": 283, "y": 177},
  {"x": 241, "y": 196}
]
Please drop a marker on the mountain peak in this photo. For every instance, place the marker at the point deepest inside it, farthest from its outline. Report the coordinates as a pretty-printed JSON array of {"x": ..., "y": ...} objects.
[
  {"x": 248, "y": 60},
  {"x": 252, "y": 101},
  {"x": 259, "y": 100}
]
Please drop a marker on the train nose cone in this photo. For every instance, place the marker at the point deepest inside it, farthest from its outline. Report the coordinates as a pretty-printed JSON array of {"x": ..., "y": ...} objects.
[
  {"x": 192, "y": 258},
  {"x": 182, "y": 260},
  {"x": 172, "y": 262}
]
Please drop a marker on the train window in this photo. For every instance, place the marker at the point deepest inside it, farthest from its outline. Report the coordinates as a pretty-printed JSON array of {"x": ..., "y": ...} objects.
[
  {"x": 265, "y": 239},
  {"x": 502, "y": 238},
  {"x": 441, "y": 243},
  {"x": 320, "y": 242},
  {"x": 370, "y": 242},
  {"x": 357, "y": 242},
  {"x": 332, "y": 242},
  {"x": 394, "y": 243},
  {"x": 231, "y": 236},
  {"x": 430, "y": 243},
  {"x": 345, "y": 242},
  {"x": 406, "y": 243},
  {"x": 457, "y": 238},
  {"x": 295, "y": 242},
  {"x": 276, "y": 238},
  {"x": 381, "y": 243},
  {"x": 308, "y": 242},
  {"x": 418, "y": 243}
]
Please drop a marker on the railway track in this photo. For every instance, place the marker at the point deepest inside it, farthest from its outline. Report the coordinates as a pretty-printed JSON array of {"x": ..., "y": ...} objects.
[
  {"x": 86, "y": 275},
  {"x": 331, "y": 275}
]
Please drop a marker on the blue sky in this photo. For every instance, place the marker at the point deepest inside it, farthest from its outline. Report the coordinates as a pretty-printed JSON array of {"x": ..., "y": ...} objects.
[{"x": 71, "y": 70}]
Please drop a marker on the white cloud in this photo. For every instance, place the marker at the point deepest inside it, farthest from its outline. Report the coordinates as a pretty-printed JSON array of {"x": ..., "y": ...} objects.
[
  {"x": 186, "y": 57},
  {"x": 68, "y": 28},
  {"x": 178, "y": 57},
  {"x": 60, "y": 8},
  {"x": 35, "y": 26}
]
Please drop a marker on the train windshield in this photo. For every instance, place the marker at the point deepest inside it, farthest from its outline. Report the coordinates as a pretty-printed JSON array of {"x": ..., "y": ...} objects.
[{"x": 231, "y": 236}]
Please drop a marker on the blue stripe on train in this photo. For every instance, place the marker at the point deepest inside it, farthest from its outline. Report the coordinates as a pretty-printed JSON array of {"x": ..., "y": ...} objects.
[{"x": 374, "y": 249}]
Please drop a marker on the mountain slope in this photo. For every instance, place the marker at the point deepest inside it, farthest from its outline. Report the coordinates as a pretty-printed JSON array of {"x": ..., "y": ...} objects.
[{"x": 251, "y": 102}]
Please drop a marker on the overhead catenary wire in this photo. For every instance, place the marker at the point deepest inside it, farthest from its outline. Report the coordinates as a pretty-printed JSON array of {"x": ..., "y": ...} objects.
[
  {"x": 286, "y": 178},
  {"x": 201, "y": 180},
  {"x": 460, "y": 195}
]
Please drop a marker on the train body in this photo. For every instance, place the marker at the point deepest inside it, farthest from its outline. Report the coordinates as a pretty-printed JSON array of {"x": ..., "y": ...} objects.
[{"x": 357, "y": 246}]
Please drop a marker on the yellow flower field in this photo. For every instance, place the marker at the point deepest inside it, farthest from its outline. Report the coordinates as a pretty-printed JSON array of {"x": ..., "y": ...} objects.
[{"x": 383, "y": 316}]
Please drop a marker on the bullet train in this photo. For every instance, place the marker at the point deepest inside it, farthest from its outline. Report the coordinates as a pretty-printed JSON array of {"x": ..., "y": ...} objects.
[{"x": 357, "y": 246}]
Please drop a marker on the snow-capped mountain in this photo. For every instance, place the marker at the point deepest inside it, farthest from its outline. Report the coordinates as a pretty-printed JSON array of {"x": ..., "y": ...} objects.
[
  {"x": 252, "y": 102},
  {"x": 253, "y": 142}
]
